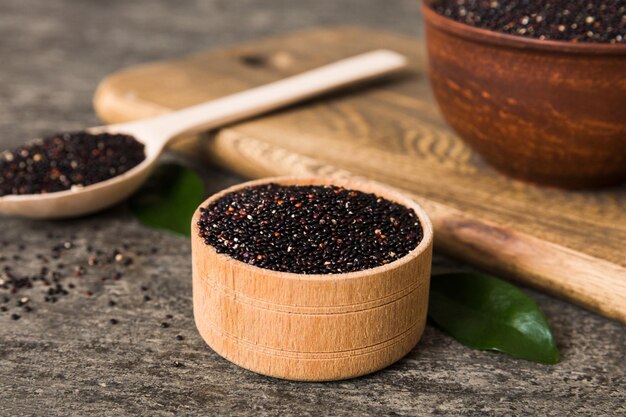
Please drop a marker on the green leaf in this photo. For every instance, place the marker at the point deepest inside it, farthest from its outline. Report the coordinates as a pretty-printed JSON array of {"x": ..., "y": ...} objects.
[
  {"x": 484, "y": 312},
  {"x": 169, "y": 199}
]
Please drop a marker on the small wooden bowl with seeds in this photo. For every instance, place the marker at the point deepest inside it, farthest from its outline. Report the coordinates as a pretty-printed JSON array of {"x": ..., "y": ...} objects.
[{"x": 311, "y": 279}]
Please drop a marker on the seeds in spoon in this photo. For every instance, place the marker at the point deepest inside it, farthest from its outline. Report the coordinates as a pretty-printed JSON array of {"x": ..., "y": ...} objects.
[
  {"x": 309, "y": 229},
  {"x": 64, "y": 161}
]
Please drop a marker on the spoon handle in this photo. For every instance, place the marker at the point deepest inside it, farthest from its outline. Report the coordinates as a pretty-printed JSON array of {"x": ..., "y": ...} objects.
[{"x": 262, "y": 99}]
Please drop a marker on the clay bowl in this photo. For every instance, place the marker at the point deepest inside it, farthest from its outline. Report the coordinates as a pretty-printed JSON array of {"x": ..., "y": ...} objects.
[
  {"x": 550, "y": 112},
  {"x": 311, "y": 327}
]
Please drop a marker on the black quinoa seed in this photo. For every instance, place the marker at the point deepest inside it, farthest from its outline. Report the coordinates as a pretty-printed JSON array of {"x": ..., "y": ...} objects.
[
  {"x": 62, "y": 161},
  {"x": 33, "y": 279},
  {"x": 309, "y": 229},
  {"x": 602, "y": 21}
]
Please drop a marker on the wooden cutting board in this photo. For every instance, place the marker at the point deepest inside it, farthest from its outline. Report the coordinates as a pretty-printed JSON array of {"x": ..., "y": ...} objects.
[{"x": 568, "y": 243}]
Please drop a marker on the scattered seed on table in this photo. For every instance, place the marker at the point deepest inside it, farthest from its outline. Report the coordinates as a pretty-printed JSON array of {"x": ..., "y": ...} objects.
[
  {"x": 15, "y": 316},
  {"x": 165, "y": 325},
  {"x": 35, "y": 280},
  {"x": 309, "y": 229},
  {"x": 113, "y": 321},
  {"x": 180, "y": 337}
]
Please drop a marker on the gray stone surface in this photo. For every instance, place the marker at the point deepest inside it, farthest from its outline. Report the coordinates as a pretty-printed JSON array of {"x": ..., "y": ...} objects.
[{"x": 65, "y": 358}]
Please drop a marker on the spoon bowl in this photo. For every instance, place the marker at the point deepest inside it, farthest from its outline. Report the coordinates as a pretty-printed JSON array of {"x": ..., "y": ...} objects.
[{"x": 155, "y": 133}]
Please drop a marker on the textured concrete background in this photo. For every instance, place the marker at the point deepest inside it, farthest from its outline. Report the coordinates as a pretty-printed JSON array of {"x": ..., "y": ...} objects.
[{"x": 67, "y": 359}]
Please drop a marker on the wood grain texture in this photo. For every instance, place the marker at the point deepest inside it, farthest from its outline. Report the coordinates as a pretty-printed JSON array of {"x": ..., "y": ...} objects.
[
  {"x": 392, "y": 132},
  {"x": 65, "y": 358},
  {"x": 593, "y": 283},
  {"x": 312, "y": 327}
]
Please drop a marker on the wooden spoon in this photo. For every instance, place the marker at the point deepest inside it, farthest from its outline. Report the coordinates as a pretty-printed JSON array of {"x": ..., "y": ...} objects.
[{"x": 155, "y": 133}]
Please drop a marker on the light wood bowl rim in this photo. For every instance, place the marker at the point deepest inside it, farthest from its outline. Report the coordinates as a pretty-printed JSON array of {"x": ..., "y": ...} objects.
[{"x": 358, "y": 185}]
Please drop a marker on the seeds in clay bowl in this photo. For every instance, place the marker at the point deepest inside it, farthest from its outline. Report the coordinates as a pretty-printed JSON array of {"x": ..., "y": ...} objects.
[
  {"x": 65, "y": 161},
  {"x": 311, "y": 279},
  {"x": 309, "y": 229},
  {"x": 571, "y": 20},
  {"x": 502, "y": 70}
]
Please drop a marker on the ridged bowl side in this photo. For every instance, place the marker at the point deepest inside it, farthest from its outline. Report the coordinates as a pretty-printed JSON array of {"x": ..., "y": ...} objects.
[{"x": 312, "y": 327}]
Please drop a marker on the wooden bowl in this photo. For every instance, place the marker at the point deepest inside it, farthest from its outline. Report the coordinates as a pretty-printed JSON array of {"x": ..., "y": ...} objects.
[
  {"x": 311, "y": 327},
  {"x": 551, "y": 112}
]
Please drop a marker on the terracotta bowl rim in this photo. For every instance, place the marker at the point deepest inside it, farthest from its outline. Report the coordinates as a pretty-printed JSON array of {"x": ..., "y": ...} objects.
[
  {"x": 512, "y": 41},
  {"x": 380, "y": 190}
]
